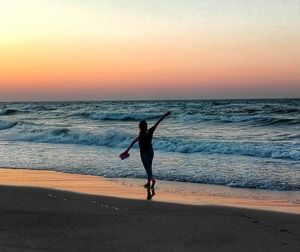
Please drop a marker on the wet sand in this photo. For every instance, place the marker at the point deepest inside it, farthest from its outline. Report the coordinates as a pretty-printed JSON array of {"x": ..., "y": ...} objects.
[
  {"x": 44, "y": 219},
  {"x": 133, "y": 189}
]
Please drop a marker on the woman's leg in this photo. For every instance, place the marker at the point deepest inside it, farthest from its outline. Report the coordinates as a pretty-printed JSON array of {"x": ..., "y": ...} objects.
[
  {"x": 145, "y": 162},
  {"x": 151, "y": 156},
  {"x": 147, "y": 158}
]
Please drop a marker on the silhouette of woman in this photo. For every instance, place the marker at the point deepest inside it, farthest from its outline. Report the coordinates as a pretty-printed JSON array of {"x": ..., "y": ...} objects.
[{"x": 146, "y": 149}]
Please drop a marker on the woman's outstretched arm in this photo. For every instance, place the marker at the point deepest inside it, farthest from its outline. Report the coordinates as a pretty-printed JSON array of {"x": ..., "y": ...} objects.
[
  {"x": 133, "y": 143},
  {"x": 162, "y": 118},
  {"x": 125, "y": 154}
]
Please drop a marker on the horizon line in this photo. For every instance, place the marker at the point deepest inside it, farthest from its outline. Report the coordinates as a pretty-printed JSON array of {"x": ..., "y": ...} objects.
[{"x": 141, "y": 100}]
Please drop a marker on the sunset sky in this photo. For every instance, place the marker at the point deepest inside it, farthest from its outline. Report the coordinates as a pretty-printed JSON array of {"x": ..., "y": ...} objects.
[{"x": 149, "y": 49}]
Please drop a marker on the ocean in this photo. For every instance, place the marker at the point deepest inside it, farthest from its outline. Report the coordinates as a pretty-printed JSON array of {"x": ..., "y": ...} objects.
[{"x": 234, "y": 143}]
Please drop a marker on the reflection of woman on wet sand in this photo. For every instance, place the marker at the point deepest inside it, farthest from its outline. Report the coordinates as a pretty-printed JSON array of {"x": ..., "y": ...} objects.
[
  {"x": 150, "y": 193},
  {"x": 146, "y": 149}
]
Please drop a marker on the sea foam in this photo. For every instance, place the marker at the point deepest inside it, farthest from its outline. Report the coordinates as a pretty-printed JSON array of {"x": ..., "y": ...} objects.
[{"x": 120, "y": 139}]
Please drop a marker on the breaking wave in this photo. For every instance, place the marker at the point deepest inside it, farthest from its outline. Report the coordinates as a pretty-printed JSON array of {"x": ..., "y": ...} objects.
[
  {"x": 9, "y": 111},
  {"x": 114, "y": 116},
  {"x": 7, "y": 125},
  {"x": 118, "y": 139},
  {"x": 261, "y": 120}
]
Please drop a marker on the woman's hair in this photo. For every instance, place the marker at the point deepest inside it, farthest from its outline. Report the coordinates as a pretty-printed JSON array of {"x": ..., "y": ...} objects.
[{"x": 143, "y": 127}]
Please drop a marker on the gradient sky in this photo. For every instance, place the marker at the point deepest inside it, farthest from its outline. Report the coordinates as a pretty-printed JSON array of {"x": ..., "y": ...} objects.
[{"x": 149, "y": 49}]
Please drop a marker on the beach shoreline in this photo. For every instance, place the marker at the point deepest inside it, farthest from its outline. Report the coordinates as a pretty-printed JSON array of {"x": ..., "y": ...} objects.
[
  {"x": 169, "y": 192},
  {"x": 71, "y": 212}
]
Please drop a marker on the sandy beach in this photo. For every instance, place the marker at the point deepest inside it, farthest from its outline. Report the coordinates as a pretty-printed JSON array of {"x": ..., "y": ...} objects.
[{"x": 43, "y": 219}]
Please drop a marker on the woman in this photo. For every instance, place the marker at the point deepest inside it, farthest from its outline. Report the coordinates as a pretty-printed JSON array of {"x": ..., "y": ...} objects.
[{"x": 146, "y": 148}]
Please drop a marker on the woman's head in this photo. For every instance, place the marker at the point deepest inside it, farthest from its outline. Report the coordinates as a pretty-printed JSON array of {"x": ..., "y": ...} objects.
[{"x": 143, "y": 126}]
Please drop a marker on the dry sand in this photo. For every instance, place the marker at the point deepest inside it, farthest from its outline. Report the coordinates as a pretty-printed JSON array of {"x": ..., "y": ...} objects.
[{"x": 43, "y": 219}]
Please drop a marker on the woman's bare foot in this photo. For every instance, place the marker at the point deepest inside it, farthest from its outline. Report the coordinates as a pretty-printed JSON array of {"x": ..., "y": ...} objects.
[{"x": 153, "y": 183}]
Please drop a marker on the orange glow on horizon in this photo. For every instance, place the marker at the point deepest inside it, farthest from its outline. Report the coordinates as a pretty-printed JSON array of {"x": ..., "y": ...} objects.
[{"x": 33, "y": 64}]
